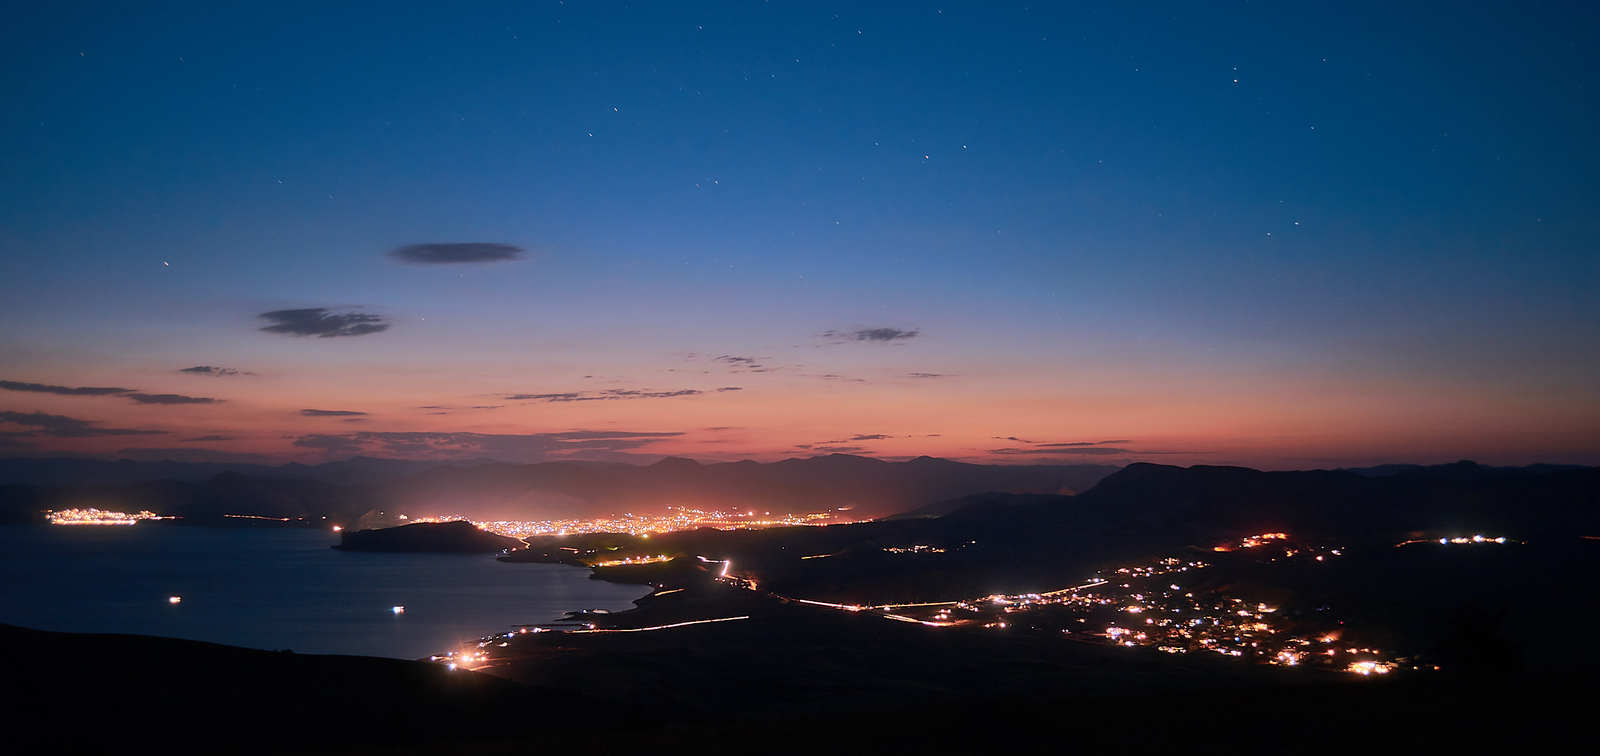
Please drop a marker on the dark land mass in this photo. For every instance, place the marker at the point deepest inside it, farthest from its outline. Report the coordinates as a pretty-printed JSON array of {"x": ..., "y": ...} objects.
[
  {"x": 1507, "y": 625},
  {"x": 202, "y": 493},
  {"x": 1006, "y": 543},
  {"x": 438, "y": 537},
  {"x": 790, "y": 680}
]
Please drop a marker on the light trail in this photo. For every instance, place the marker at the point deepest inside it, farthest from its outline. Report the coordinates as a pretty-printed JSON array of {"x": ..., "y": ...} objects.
[
  {"x": 661, "y": 627},
  {"x": 929, "y": 623},
  {"x": 841, "y": 607},
  {"x": 1076, "y": 588}
]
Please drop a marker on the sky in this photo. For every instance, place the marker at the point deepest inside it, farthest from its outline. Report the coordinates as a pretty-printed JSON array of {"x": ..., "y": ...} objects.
[{"x": 1330, "y": 235}]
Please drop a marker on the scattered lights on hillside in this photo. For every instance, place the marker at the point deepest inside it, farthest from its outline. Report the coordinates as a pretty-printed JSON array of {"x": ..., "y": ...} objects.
[
  {"x": 1251, "y": 542},
  {"x": 658, "y": 558}
]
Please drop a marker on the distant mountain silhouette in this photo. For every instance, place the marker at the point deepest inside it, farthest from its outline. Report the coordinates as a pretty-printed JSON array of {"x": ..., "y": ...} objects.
[
  {"x": 1203, "y": 505},
  {"x": 859, "y": 487},
  {"x": 1014, "y": 542}
]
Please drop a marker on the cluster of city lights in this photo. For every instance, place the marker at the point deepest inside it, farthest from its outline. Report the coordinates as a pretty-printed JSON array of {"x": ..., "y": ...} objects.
[
  {"x": 643, "y": 526},
  {"x": 1251, "y": 542},
  {"x": 1140, "y": 606},
  {"x": 656, "y": 559},
  {"x": 92, "y": 516}
]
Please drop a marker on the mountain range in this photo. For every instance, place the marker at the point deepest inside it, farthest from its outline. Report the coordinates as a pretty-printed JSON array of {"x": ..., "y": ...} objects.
[{"x": 855, "y": 487}]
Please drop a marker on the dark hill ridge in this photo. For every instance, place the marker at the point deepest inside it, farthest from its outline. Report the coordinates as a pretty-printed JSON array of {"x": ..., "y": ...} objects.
[
  {"x": 1206, "y": 502},
  {"x": 439, "y": 537},
  {"x": 867, "y": 487},
  {"x": 997, "y": 542}
]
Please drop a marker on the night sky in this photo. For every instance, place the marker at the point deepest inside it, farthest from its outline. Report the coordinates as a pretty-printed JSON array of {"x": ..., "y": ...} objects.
[{"x": 1219, "y": 233}]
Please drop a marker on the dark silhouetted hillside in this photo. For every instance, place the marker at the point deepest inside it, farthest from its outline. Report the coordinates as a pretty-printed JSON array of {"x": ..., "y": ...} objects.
[{"x": 441, "y": 537}]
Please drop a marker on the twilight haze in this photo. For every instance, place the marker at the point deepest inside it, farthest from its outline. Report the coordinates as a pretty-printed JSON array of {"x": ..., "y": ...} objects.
[{"x": 1327, "y": 237}]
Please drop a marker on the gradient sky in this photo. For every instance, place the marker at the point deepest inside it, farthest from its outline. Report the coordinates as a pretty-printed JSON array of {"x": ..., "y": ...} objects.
[{"x": 1181, "y": 232}]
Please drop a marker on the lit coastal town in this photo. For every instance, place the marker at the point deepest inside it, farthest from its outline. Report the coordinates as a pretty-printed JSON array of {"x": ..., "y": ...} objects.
[
  {"x": 644, "y": 525},
  {"x": 92, "y": 516}
]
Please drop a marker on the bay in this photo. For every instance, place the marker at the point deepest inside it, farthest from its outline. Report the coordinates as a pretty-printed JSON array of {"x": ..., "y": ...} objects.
[{"x": 277, "y": 588}]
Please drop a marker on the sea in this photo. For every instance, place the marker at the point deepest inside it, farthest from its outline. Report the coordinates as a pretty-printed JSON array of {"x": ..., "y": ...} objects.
[{"x": 277, "y": 588}]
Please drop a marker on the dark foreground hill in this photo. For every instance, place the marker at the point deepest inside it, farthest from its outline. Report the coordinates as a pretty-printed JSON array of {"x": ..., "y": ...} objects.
[{"x": 652, "y": 694}]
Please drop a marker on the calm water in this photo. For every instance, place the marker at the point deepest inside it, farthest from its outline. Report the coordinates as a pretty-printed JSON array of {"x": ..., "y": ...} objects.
[{"x": 277, "y": 588}]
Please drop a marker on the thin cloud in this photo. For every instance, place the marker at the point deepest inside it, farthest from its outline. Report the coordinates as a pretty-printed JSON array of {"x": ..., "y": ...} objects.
[
  {"x": 459, "y": 253},
  {"x": 322, "y": 322},
  {"x": 209, "y": 438},
  {"x": 730, "y": 388},
  {"x": 526, "y": 447},
  {"x": 609, "y": 395},
  {"x": 171, "y": 399},
  {"x": 840, "y": 449},
  {"x": 330, "y": 413},
  {"x": 926, "y": 375},
  {"x": 212, "y": 370},
  {"x": 869, "y": 437},
  {"x": 1061, "y": 444},
  {"x": 870, "y": 335},
  {"x": 1084, "y": 451},
  {"x": 61, "y": 426},
  {"x": 1086, "y": 443},
  {"x": 741, "y": 364},
  {"x": 45, "y": 388}
]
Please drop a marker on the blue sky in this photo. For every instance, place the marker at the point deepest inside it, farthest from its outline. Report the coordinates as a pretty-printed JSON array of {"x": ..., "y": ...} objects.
[{"x": 1340, "y": 206}]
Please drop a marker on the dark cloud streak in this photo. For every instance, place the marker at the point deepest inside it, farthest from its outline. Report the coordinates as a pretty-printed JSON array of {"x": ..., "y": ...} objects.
[
  {"x": 520, "y": 447},
  {"x": 45, "y": 388},
  {"x": 610, "y": 395},
  {"x": 871, "y": 335},
  {"x": 171, "y": 399},
  {"x": 322, "y": 322},
  {"x": 61, "y": 426}
]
